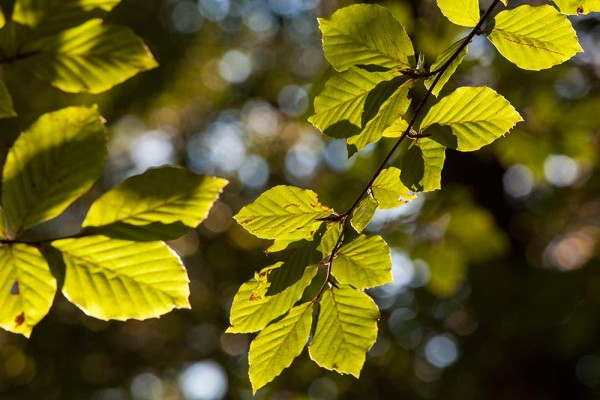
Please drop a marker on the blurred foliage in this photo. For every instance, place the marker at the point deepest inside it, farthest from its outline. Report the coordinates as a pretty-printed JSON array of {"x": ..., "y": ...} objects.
[{"x": 496, "y": 276}]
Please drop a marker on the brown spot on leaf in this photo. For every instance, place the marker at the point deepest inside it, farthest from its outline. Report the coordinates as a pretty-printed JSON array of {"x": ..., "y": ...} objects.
[
  {"x": 580, "y": 10},
  {"x": 19, "y": 319}
]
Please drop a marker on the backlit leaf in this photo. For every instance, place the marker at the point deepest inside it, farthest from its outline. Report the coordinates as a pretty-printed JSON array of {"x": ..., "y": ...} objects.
[
  {"x": 573, "y": 7},
  {"x": 330, "y": 238},
  {"x": 51, "y": 16},
  {"x": 476, "y": 115},
  {"x": 92, "y": 57},
  {"x": 363, "y": 213},
  {"x": 422, "y": 165},
  {"x": 365, "y": 262},
  {"x": 441, "y": 61},
  {"x": 6, "y": 104},
  {"x": 294, "y": 267},
  {"x": 392, "y": 110},
  {"x": 365, "y": 34},
  {"x": 27, "y": 288},
  {"x": 161, "y": 204},
  {"x": 349, "y": 100},
  {"x": 346, "y": 330},
  {"x": 276, "y": 346},
  {"x": 389, "y": 191},
  {"x": 51, "y": 164},
  {"x": 117, "y": 279},
  {"x": 534, "y": 38},
  {"x": 251, "y": 312},
  {"x": 460, "y": 12},
  {"x": 284, "y": 210}
]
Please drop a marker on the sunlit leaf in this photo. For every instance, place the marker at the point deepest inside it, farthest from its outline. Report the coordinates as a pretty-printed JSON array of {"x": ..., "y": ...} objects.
[
  {"x": 51, "y": 16},
  {"x": 6, "y": 104},
  {"x": 27, "y": 288},
  {"x": 441, "y": 61},
  {"x": 282, "y": 244},
  {"x": 476, "y": 115},
  {"x": 534, "y": 38},
  {"x": 276, "y": 346},
  {"x": 365, "y": 262},
  {"x": 363, "y": 213},
  {"x": 330, "y": 238},
  {"x": 389, "y": 191},
  {"x": 573, "y": 7},
  {"x": 117, "y": 279},
  {"x": 365, "y": 34},
  {"x": 51, "y": 164},
  {"x": 284, "y": 210},
  {"x": 251, "y": 312},
  {"x": 422, "y": 166},
  {"x": 92, "y": 57},
  {"x": 392, "y": 110},
  {"x": 346, "y": 330},
  {"x": 460, "y": 12},
  {"x": 349, "y": 100},
  {"x": 160, "y": 204},
  {"x": 294, "y": 267}
]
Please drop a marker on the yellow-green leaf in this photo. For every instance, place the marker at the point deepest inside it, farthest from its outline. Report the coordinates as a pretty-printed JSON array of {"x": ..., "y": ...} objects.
[
  {"x": 441, "y": 61},
  {"x": 573, "y": 7},
  {"x": 27, "y": 288},
  {"x": 92, "y": 57},
  {"x": 476, "y": 116},
  {"x": 330, "y": 238},
  {"x": 389, "y": 191},
  {"x": 284, "y": 210},
  {"x": 422, "y": 165},
  {"x": 117, "y": 279},
  {"x": 349, "y": 100},
  {"x": 363, "y": 213},
  {"x": 276, "y": 346},
  {"x": 51, "y": 16},
  {"x": 160, "y": 204},
  {"x": 460, "y": 12},
  {"x": 346, "y": 330},
  {"x": 534, "y": 38},
  {"x": 6, "y": 104},
  {"x": 51, "y": 164},
  {"x": 365, "y": 262},
  {"x": 251, "y": 311},
  {"x": 392, "y": 110},
  {"x": 365, "y": 34}
]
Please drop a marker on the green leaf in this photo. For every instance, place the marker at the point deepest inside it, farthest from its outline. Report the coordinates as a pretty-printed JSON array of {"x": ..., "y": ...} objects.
[
  {"x": 274, "y": 349},
  {"x": 293, "y": 268},
  {"x": 253, "y": 309},
  {"x": 161, "y": 204},
  {"x": 392, "y": 110},
  {"x": 534, "y": 38},
  {"x": 90, "y": 58},
  {"x": 3, "y": 230},
  {"x": 117, "y": 279},
  {"x": 389, "y": 191},
  {"x": 363, "y": 263},
  {"x": 363, "y": 213},
  {"x": 51, "y": 16},
  {"x": 349, "y": 100},
  {"x": 50, "y": 165},
  {"x": 365, "y": 34},
  {"x": 330, "y": 238},
  {"x": 441, "y": 61},
  {"x": 284, "y": 212},
  {"x": 422, "y": 166},
  {"x": 346, "y": 330},
  {"x": 282, "y": 244},
  {"x": 27, "y": 288},
  {"x": 460, "y": 12},
  {"x": 6, "y": 104},
  {"x": 573, "y": 7},
  {"x": 476, "y": 115}
]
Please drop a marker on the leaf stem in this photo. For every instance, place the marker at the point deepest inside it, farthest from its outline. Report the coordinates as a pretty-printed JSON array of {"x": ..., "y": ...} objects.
[{"x": 345, "y": 217}]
